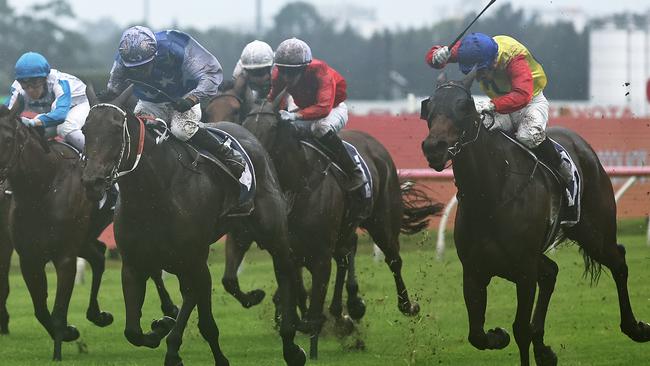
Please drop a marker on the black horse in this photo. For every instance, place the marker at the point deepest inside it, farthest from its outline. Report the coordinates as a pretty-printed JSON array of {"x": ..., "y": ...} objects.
[
  {"x": 6, "y": 250},
  {"x": 50, "y": 219},
  {"x": 171, "y": 208},
  {"x": 508, "y": 208},
  {"x": 233, "y": 103},
  {"x": 323, "y": 222}
]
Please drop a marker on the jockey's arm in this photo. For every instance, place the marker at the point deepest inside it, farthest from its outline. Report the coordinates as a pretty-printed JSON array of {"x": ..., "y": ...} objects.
[
  {"x": 60, "y": 107},
  {"x": 201, "y": 65},
  {"x": 453, "y": 58},
  {"x": 117, "y": 80},
  {"x": 521, "y": 89},
  {"x": 324, "y": 98}
]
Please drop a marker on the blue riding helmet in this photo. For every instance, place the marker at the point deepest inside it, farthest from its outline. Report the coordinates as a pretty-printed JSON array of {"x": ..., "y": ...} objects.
[
  {"x": 477, "y": 49},
  {"x": 138, "y": 46},
  {"x": 32, "y": 65}
]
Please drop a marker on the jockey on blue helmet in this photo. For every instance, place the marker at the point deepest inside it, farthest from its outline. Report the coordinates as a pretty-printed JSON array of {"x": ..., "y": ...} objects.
[
  {"x": 138, "y": 46},
  {"x": 32, "y": 65},
  {"x": 477, "y": 49}
]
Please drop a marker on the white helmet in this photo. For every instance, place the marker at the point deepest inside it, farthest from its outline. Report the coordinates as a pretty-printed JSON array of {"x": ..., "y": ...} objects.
[
  {"x": 293, "y": 52},
  {"x": 257, "y": 55}
]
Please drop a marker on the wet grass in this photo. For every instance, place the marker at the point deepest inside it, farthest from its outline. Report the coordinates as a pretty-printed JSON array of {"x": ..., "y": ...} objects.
[{"x": 582, "y": 324}]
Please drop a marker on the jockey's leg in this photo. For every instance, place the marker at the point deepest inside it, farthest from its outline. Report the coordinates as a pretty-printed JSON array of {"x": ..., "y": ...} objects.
[
  {"x": 530, "y": 123},
  {"x": 185, "y": 127},
  {"x": 70, "y": 129},
  {"x": 325, "y": 130}
]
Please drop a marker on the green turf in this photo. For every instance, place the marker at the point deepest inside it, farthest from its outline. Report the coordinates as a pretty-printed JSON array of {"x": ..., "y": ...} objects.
[{"x": 582, "y": 324}]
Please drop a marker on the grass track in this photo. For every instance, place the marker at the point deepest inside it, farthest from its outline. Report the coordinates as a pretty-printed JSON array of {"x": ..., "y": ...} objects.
[{"x": 582, "y": 325}]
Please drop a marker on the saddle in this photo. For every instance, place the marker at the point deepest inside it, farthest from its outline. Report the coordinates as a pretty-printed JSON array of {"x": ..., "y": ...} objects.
[
  {"x": 570, "y": 210},
  {"x": 361, "y": 199}
]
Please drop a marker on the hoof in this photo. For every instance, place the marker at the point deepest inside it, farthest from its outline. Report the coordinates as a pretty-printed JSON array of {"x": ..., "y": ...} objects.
[
  {"x": 295, "y": 356},
  {"x": 409, "y": 309},
  {"x": 253, "y": 298},
  {"x": 101, "y": 319},
  {"x": 173, "y": 361},
  {"x": 344, "y": 326},
  {"x": 544, "y": 356},
  {"x": 356, "y": 308},
  {"x": 70, "y": 334},
  {"x": 163, "y": 326},
  {"x": 170, "y": 311},
  {"x": 640, "y": 332},
  {"x": 497, "y": 338}
]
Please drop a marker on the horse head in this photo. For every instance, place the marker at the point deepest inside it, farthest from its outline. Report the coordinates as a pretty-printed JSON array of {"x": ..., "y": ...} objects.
[
  {"x": 451, "y": 117},
  {"x": 12, "y": 136},
  {"x": 231, "y": 101},
  {"x": 104, "y": 142}
]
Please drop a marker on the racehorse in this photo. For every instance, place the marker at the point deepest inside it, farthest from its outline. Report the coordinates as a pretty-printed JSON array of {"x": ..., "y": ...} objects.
[
  {"x": 172, "y": 207},
  {"x": 233, "y": 103},
  {"x": 508, "y": 210},
  {"x": 50, "y": 220},
  {"x": 323, "y": 222},
  {"x": 6, "y": 250}
]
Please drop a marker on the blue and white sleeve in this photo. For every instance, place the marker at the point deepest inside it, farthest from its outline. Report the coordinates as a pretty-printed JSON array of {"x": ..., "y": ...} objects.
[{"x": 60, "y": 106}]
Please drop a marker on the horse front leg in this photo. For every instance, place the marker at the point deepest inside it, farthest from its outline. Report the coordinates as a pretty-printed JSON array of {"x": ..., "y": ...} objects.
[
  {"x": 236, "y": 246},
  {"x": 94, "y": 254},
  {"x": 66, "y": 269},
  {"x": 475, "y": 294},
  {"x": 33, "y": 271},
  {"x": 6, "y": 250},
  {"x": 134, "y": 289},
  {"x": 521, "y": 326},
  {"x": 175, "y": 337},
  {"x": 548, "y": 270},
  {"x": 166, "y": 304}
]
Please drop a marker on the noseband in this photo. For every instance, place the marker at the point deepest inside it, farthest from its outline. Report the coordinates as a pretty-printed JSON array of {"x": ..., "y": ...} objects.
[{"x": 126, "y": 145}]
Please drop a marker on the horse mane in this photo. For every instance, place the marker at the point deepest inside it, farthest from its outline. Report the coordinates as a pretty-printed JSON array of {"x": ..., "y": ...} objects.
[{"x": 226, "y": 85}]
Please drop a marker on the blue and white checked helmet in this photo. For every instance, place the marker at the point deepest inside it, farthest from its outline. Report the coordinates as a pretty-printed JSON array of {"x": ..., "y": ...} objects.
[
  {"x": 31, "y": 65},
  {"x": 137, "y": 46}
]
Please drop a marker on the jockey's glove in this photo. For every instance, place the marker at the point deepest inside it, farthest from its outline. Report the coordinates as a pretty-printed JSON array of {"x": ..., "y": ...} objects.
[
  {"x": 29, "y": 122},
  {"x": 485, "y": 106},
  {"x": 441, "y": 56},
  {"x": 287, "y": 116},
  {"x": 183, "y": 104}
]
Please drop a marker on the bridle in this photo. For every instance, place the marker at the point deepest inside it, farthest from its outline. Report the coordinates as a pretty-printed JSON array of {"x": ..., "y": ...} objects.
[
  {"x": 456, "y": 148},
  {"x": 17, "y": 151},
  {"x": 126, "y": 145}
]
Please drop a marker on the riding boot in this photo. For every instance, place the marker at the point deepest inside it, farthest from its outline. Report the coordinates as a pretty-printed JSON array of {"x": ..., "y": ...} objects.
[
  {"x": 232, "y": 158},
  {"x": 547, "y": 152},
  {"x": 340, "y": 155}
]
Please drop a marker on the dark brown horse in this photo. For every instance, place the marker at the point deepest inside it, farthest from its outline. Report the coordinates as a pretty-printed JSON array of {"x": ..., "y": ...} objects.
[
  {"x": 6, "y": 250},
  {"x": 172, "y": 207},
  {"x": 50, "y": 219},
  {"x": 233, "y": 103},
  {"x": 507, "y": 215},
  {"x": 322, "y": 223}
]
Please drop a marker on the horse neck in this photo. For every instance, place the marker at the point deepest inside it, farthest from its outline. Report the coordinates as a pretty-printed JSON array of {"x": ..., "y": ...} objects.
[
  {"x": 35, "y": 170},
  {"x": 291, "y": 161},
  {"x": 157, "y": 164},
  {"x": 478, "y": 168}
]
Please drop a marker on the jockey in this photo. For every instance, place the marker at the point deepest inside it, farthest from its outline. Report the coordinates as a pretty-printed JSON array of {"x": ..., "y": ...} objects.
[
  {"x": 512, "y": 78},
  {"x": 255, "y": 64},
  {"x": 172, "y": 73},
  {"x": 319, "y": 91},
  {"x": 59, "y": 99}
]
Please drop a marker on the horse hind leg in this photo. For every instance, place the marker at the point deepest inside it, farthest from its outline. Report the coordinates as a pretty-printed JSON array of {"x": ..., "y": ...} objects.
[
  {"x": 548, "y": 269},
  {"x": 236, "y": 247},
  {"x": 601, "y": 246},
  {"x": 386, "y": 237},
  {"x": 36, "y": 281},
  {"x": 66, "y": 269},
  {"x": 175, "y": 337},
  {"x": 167, "y": 306},
  {"x": 94, "y": 254},
  {"x": 475, "y": 294},
  {"x": 6, "y": 251}
]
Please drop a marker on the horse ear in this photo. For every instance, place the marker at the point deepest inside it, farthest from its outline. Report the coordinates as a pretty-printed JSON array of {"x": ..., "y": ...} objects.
[
  {"x": 90, "y": 94},
  {"x": 18, "y": 106},
  {"x": 469, "y": 79},
  {"x": 240, "y": 85},
  {"x": 424, "y": 109},
  {"x": 442, "y": 78},
  {"x": 124, "y": 97},
  {"x": 278, "y": 100}
]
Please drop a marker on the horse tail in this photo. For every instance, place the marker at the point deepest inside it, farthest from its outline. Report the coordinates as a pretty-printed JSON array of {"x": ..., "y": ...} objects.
[
  {"x": 418, "y": 207},
  {"x": 593, "y": 269}
]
